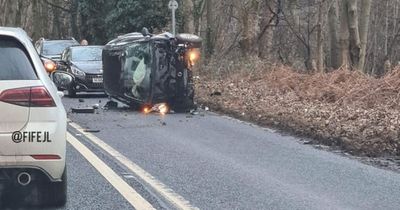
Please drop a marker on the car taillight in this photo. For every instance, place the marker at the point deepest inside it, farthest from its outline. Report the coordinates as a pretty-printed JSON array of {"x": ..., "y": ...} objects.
[
  {"x": 29, "y": 96},
  {"x": 41, "y": 98}
]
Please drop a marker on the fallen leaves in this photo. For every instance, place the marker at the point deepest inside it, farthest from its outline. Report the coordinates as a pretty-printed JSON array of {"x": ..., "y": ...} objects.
[{"x": 343, "y": 108}]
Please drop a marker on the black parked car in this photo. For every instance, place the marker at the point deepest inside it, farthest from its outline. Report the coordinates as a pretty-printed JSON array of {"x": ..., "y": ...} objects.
[
  {"x": 50, "y": 51},
  {"x": 85, "y": 65},
  {"x": 144, "y": 70},
  {"x": 53, "y": 49}
]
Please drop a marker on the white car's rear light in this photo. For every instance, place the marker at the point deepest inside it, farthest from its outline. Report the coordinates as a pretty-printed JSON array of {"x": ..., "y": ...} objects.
[{"x": 29, "y": 97}]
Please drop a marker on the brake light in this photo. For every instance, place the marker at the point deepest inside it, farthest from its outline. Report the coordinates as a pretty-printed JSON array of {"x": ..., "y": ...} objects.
[
  {"x": 29, "y": 97},
  {"x": 41, "y": 98}
]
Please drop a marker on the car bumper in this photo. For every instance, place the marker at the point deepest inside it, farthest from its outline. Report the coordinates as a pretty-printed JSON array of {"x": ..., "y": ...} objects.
[
  {"x": 18, "y": 155},
  {"x": 87, "y": 84},
  {"x": 51, "y": 170}
]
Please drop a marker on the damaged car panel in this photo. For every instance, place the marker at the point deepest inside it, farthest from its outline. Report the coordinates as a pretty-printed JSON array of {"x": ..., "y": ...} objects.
[{"x": 145, "y": 70}]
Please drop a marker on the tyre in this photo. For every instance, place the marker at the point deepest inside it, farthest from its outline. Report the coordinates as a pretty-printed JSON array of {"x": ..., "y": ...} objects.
[
  {"x": 190, "y": 38},
  {"x": 53, "y": 193}
]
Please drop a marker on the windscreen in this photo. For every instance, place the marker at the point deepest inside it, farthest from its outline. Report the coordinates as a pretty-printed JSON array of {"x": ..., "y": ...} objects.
[
  {"x": 86, "y": 53},
  {"x": 14, "y": 61},
  {"x": 56, "y": 47}
]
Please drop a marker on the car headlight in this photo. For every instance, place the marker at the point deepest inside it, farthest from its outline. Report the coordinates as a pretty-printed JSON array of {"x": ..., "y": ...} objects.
[
  {"x": 49, "y": 65},
  {"x": 77, "y": 72}
]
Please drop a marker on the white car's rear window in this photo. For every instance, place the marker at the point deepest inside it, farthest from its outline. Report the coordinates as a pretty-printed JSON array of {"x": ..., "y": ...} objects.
[{"x": 14, "y": 61}]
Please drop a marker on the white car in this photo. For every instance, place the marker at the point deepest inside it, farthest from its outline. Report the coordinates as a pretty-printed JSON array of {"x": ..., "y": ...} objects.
[{"x": 32, "y": 125}]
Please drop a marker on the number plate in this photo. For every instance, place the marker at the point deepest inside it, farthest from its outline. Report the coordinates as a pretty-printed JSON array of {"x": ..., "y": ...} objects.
[{"x": 98, "y": 80}]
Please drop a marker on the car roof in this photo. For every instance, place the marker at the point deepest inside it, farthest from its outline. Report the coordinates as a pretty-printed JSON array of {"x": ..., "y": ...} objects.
[
  {"x": 18, "y": 33},
  {"x": 77, "y": 47},
  {"x": 60, "y": 40},
  {"x": 86, "y": 46}
]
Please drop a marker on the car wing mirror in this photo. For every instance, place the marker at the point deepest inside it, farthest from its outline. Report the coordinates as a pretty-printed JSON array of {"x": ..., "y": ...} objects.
[
  {"x": 62, "y": 65},
  {"x": 63, "y": 80}
]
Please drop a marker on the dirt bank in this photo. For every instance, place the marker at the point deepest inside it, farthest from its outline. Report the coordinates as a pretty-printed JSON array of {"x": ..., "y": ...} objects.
[{"x": 343, "y": 108}]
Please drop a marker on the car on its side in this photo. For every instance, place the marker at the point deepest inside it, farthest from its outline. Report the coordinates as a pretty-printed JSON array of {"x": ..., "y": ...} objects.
[
  {"x": 33, "y": 125},
  {"x": 86, "y": 66},
  {"x": 149, "y": 71}
]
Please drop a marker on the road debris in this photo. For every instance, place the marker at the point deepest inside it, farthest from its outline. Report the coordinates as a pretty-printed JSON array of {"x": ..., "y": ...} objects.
[
  {"x": 83, "y": 110},
  {"x": 91, "y": 131},
  {"x": 96, "y": 106},
  {"x": 194, "y": 112},
  {"x": 110, "y": 105}
]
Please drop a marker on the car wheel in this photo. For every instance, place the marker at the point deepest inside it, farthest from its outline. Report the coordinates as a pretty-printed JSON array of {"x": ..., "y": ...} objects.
[
  {"x": 53, "y": 193},
  {"x": 190, "y": 38}
]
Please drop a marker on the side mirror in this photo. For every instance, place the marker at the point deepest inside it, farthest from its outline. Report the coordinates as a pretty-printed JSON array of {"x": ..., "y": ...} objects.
[
  {"x": 62, "y": 80},
  {"x": 62, "y": 65}
]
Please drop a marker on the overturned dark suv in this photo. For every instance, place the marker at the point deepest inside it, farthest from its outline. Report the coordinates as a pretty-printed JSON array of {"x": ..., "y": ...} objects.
[{"x": 143, "y": 70}]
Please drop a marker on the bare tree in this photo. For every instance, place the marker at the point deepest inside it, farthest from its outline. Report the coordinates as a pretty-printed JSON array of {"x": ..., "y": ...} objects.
[{"x": 364, "y": 26}]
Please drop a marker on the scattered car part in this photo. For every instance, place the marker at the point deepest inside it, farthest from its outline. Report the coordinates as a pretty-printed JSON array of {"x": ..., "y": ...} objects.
[
  {"x": 83, "y": 110},
  {"x": 91, "y": 130},
  {"x": 110, "y": 105}
]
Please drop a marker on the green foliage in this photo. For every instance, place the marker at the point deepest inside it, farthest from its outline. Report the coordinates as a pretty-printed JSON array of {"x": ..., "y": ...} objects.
[{"x": 103, "y": 20}]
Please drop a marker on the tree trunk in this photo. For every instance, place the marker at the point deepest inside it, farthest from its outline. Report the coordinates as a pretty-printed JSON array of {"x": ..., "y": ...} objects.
[
  {"x": 210, "y": 29},
  {"x": 265, "y": 38},
  {"x": 249, "y": 25},
  {"x": 320, "y": 39},
  {"x": 188, "y": 9},
  {"x": 74, "y": 18},
  {"x": 294, "y": 14},
  {"x": 364, "y": 27},
  {"x": 333, "y": 35},
  {"x": 344, "y": 35},
  {"x": 355, "y": 43}
]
